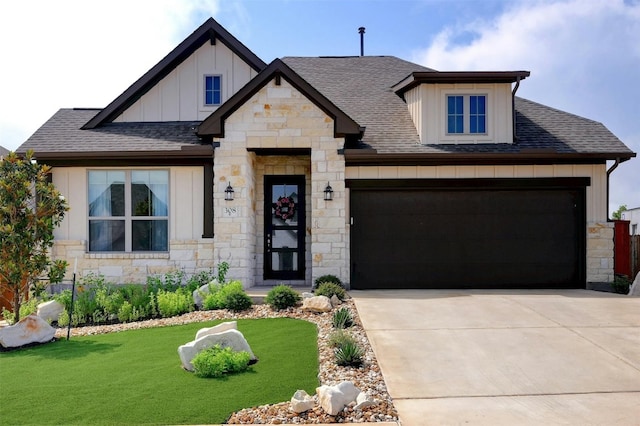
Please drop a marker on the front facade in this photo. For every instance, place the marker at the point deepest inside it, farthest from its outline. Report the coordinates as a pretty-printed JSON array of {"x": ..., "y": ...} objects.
[{"x": 376, "y": 170}]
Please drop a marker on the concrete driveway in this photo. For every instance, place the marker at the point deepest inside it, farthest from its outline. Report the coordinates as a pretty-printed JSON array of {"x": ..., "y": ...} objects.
[{"x": 507, "y": 357}]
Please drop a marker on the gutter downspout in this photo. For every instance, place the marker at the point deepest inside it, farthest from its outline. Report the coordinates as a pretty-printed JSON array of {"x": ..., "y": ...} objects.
[
  {"x": 513, "y": 108},
  {"x": 611, "y": 169}
]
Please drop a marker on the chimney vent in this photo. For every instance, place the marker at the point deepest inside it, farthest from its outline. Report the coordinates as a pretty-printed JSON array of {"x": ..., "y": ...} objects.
[{"x": 361, "y": 31}]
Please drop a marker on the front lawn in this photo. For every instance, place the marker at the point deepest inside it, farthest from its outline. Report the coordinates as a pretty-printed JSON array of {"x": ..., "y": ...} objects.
[{"x": 135, "y": 377}]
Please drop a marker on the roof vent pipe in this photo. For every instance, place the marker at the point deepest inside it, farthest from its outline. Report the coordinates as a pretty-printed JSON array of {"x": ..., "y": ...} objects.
[{"x": 361, "y": 31}]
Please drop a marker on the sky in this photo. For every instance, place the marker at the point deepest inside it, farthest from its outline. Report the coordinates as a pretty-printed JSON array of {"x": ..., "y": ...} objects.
[{"x": 583, "y": 55}]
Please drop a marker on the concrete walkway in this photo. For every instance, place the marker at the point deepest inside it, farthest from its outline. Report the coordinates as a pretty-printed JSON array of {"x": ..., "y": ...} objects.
[{"x": 507, "y": 357}]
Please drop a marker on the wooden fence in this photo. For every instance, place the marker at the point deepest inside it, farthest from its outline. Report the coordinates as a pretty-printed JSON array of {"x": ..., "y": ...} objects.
[{"x": 635, "y": 255}]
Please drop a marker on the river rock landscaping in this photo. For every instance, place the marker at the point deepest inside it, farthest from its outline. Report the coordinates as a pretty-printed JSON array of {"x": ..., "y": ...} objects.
[{"x": 367, "y": 378}]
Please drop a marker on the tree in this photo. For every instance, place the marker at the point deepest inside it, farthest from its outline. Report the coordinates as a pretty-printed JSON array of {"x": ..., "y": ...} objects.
[
  {"x": 617, "y": 215},
  {"x": 30, "y": 209}
]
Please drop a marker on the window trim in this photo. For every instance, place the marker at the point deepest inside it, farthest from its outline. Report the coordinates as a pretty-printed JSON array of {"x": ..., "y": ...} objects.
[
  {"x": 204, "y": 91},
  {"x": 490, "y": 94},
  {"x": 128, "y": 217}
]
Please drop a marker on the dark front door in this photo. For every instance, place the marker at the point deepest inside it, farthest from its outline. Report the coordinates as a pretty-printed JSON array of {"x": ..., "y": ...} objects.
[{"x": 284, "y": 227}]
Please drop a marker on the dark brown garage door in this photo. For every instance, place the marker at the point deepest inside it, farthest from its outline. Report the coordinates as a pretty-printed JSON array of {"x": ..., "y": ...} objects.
[{"x": 500, "y": 234}]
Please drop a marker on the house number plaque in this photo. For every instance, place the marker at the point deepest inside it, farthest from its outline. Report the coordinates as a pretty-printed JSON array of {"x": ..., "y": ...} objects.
[{"x": 230, "y": 212}]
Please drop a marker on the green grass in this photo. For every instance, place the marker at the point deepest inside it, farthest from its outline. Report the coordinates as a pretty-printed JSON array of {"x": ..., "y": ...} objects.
[{"x": 135, "y": 377}]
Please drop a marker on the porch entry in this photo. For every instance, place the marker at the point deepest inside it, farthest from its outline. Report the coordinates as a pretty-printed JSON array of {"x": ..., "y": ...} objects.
[{"x": 284, "y": 224}]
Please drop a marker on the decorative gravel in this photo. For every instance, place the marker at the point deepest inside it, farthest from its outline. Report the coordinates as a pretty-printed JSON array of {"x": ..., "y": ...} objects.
[{"x": 367, "y": 378}]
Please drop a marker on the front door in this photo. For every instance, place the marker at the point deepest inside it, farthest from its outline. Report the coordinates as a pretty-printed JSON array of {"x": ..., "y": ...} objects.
[{"x": 284, "y": 224}]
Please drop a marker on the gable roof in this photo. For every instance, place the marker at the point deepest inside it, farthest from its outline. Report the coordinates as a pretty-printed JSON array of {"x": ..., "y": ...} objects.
[
  {"x": 210, "y": 31},
  {"x": 344, "y": 126},
  {"x": 3, "y": 151},
  {"x": 62, "y": 140}
]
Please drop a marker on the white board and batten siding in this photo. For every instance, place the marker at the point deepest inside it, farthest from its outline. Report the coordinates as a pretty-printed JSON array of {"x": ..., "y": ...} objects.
[
  {"x": 427, "y": 105},
  {"x": 180, "y": 95},
  {"x": 185, "y": 206}
]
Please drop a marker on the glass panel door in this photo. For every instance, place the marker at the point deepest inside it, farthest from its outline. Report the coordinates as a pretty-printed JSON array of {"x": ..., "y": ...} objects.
[{"x": 284, "y": 227}]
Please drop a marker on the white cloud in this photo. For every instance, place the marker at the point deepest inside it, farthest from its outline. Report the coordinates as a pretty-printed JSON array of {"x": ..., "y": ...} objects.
[
  {"x": 583, "y": 55},
  {"x": 77, "y": 53}
]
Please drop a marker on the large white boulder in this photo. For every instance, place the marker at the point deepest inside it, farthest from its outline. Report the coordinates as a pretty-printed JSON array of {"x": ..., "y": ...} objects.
[
  {"x": 31, "y": 329},
  {"x": 333, "y": 399},
  {"x": 50, "y": 311},
  {"x": 317, "y": 304},
  {"x": 229, "y": 325},
  {"x": 230, "y": 338},
  {"x": 301, "y": 402}
]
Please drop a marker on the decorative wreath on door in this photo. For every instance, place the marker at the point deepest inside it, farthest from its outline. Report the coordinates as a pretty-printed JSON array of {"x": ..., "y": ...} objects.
[{"x": 285, "y": 208}]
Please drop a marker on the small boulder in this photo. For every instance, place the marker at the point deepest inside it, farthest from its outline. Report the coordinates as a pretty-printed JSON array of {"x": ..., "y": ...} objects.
[
  {"x": 31, "y": 329},
  {"x": 301, "y": 402},
  {"x": 201, "y": 293},
  {"x": 317, "y": 304},
  {"x": 307, "y": 295},
  {"x": 334, "y": 398},
  {"x": 230, "y": 325},
  {"x": 50, "y": 311},
  {"x": 230, "y": 338},
  {"x": 335, "y": 301},
  {"x": 363, "y": 400}
]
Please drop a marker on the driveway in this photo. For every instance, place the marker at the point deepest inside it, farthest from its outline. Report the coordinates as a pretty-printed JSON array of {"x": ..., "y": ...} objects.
[{"x": 507, "y": 357}]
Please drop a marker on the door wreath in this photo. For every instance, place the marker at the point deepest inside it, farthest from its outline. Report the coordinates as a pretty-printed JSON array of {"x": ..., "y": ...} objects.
[{"x": 285, "y": 208}]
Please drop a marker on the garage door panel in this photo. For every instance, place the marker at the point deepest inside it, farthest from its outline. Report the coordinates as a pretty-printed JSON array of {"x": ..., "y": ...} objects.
[{"x": 477, "y": 238}]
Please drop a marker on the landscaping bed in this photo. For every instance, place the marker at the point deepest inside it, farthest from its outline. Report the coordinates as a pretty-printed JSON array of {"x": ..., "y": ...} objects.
[{"x": 367, "y": 378}]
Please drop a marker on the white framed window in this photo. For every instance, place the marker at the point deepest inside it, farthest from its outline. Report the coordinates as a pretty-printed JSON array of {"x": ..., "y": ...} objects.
[
  {"x": 466, "y": 114},
  {"x": 212, "y": 90},
  {"x": 128, "y": 210}
]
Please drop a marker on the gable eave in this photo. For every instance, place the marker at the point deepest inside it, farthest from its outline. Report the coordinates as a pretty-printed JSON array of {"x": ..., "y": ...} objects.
[
  {"x": 213, "y": 126},
  {"x": 211, "y": 31}
]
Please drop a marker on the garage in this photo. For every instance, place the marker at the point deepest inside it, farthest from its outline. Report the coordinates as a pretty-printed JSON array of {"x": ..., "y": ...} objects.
[{"x": 468, "y": 233}]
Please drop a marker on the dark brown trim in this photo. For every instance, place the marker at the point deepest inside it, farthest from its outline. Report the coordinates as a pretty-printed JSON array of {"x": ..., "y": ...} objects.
[
  {"x": 213, "y": 126},
  {"x": 208, "y": 31},
  {"x": 280, "y": 151},
  {"x": 355, "y": 157},
  {"x": 124, "y": 162},
  {"x": 449, "y": 77},
  {"x": 207, "y": 226},
  {"x": 467, "y": 183}
]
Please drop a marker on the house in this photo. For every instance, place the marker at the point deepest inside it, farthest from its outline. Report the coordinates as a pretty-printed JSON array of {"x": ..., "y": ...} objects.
[
  {"x": 377, "y": 170},
  {"x": 3, "y": 152},
  {"x": 633, "y": 216}
]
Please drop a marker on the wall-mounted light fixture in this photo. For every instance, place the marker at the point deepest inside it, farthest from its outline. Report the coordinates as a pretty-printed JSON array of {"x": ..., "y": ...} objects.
[
  {"x": 328, "y": 193},
  {"x": 228, "y": 193}
]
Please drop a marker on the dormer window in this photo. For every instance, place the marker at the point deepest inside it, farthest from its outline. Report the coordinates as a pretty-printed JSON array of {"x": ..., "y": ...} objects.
[
  {"x": 212, "y": 90},
  {"x": 466, "y": 114}
]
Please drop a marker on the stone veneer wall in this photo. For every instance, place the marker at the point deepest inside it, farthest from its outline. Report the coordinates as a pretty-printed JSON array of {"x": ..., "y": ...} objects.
[
  {"x": 190, "y": 256},
  {"x": 600, "y": 248},
  {"x": 279, "y": 117}
]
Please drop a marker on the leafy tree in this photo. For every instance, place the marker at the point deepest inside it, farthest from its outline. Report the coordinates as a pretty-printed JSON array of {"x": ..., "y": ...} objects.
[
  {"x": 30, "y": 209},
  {"x": 617, "y": 215}
]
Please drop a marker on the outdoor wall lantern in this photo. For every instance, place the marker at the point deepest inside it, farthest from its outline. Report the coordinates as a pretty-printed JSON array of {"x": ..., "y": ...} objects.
[
  {"x": 228, "y": 193},
  {"x": 328, "y": 193}
]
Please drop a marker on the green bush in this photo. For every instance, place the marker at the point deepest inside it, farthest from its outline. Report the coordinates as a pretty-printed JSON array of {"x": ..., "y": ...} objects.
[
  {"x": 64, "y": 298},
  {"x": 342, "y": 318},
  {"x": 175, "y": 303},
  {"x": 217, "y": 361},
  {"x": 63, "y": 319},
  {"x": 327, "y": 279},
  {"x": 198, "y": 280},
  {"x": 329, "y": 289},
  {"x": 29, "y": 307},
  {"x": 349, "y": 354},
  {"x": 168, "y": 282},
  {"x": 237, "y": 300},
  {"x": 619, "y": 285},
  {"x": 282, "y": 297},
  {"x": 339, "y": 337},
  {"x": 124, "y": 313}
]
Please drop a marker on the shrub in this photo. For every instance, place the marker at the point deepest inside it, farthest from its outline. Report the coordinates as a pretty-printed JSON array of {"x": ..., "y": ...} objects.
[
  {"x": 342, "y": 318},
  {"x": 237, "y": 300},
  {"x": 169, "y": 282},
  {"x": 124, "y": 313},
  {"x": 349, "y": 353},
  {"x": 64, "y": 298},
  {"x": 198, "y": 280},
  {"x": 339, "y": 337},
  {"x": 619, "y": 285},
  {"x": 223, "y": 268},
  {"x": 327, "y": 279},
  {"x": 63, "y": 319},
  {"x": 282, "y": 297},
  {"x": 217, "y": 361},
  {"x": 329, "y": 289},
  {"x": 175, "y": 303},
  {"x": 29, "y": 307},
  {"x": 136, "y": 294}
]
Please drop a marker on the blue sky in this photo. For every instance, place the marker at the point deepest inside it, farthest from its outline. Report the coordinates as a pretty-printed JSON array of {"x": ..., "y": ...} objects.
[{"x": 584, "y": 55}]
